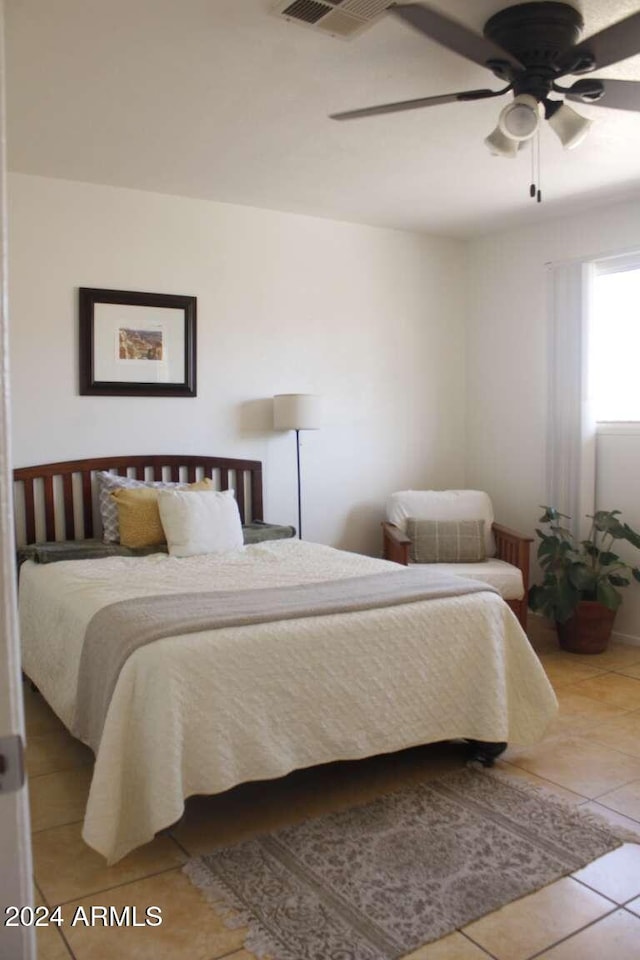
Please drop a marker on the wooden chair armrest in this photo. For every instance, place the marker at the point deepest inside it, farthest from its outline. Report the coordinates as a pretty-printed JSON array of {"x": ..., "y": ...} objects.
[
  {"x": 395, "y": 544},
  {"x": 508, "y": 534},
  {"x": 513, "y": 547}
]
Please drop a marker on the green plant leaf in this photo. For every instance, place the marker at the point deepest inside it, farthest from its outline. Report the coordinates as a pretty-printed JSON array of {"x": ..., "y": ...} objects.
[
  {"x": 581, "y": 577},
  {"x": 589, "y": 548},
  {"x": 564, "y": 533},
  {"x": 536, "y": 597},
  {"x": 607, "y": 558},
  {"x": 631, "y": 536},
  {"x": 548, "y": 545},
  {"x": 542, "y": 601},
  {"x": 566, "y": 601},
  {"x": 617, "y": 531},
  {"x": 602, "y": 518},
  {"x": 636, "y": 573},
  {"x": 550, "y": 514},
  {"x": 618, "y": 581},
  {"x": 608, "y": 595},
  {"x": 556, "y": 599},
  {"x": 607, "y": 522},
  {"x": 553, "y": 553}
]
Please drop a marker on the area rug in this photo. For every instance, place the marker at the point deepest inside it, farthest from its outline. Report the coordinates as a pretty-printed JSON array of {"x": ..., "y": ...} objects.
[{"x": 377, "y": 881}]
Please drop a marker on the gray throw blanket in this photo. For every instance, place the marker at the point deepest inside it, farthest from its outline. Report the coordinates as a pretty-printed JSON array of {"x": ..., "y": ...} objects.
[{"x": 119, "y": 629}]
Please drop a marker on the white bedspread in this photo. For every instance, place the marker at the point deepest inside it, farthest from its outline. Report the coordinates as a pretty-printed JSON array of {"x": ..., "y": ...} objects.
[{"x": 201, "y": 713}]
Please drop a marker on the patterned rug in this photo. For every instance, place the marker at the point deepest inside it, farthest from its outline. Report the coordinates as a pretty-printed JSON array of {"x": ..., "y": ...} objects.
[{"x": 377, "y": 881}]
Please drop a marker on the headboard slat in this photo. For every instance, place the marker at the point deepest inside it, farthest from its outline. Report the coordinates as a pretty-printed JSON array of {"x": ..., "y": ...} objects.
[
  {"x": 69, "y": 513},
  {"x": 29, "y": 511},
  {"x": 87, "y": 504},
  {"x": 62, "y": 505},
  {"x": 239, "y": 491},
  {"x": 49, "y": 510},
  {"x": 257, "y": 507}
]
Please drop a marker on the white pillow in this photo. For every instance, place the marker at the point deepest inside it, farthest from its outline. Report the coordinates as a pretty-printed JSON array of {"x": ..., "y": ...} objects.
[
  {"x": 443, "y": 505},
  {"x": 200, "y": 522}
]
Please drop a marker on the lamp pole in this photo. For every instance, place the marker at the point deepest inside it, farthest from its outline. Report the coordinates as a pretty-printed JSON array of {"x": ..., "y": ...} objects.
[
  {"x": 297, "y": 411},
  {"x": 299, "y": 485}
]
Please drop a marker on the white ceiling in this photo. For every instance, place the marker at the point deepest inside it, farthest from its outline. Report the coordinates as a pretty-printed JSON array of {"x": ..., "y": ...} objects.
[{"x": 219, "y": 99}]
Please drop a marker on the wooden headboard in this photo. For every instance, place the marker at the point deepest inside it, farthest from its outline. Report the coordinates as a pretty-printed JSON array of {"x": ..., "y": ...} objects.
[{"x": 57, "y": 501}]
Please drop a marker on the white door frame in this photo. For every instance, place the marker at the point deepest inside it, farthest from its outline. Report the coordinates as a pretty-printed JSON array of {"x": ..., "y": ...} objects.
[{"x": 16, "y": 886}]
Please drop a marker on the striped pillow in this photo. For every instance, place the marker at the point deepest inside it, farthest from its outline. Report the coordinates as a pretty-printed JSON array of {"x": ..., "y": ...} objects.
[{"x": 446, "y": 541}]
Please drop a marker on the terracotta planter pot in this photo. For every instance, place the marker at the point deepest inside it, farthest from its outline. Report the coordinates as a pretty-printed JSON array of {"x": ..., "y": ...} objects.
[{"x": 589, "y": 630}]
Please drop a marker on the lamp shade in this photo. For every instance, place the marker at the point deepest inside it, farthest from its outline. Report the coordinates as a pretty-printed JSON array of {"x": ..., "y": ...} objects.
[
  {"x": 296, "y": 411},
  {"x": 501, "y": 146},
  {"x": 570, "y": 127}
]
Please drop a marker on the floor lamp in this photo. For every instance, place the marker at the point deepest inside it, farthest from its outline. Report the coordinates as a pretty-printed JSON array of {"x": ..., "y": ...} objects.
[{"x": 296, "y": 411}]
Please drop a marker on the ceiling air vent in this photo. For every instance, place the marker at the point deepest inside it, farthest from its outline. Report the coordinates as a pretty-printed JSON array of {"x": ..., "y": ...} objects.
[{"x": 340, "y": 18}]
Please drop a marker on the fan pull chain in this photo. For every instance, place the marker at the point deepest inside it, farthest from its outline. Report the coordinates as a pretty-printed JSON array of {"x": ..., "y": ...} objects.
[
  {"x": 535, "y": 191},
  {"x": 532, "y": 187},
  {"x": 539, "y": 193}
]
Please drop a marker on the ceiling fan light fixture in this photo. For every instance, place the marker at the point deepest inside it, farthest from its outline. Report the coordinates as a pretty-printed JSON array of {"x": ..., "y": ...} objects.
[
  {"x": 501, "y": 146},
  {"x": 520, "y": 119},
  {"x": 569, "y": 126}
]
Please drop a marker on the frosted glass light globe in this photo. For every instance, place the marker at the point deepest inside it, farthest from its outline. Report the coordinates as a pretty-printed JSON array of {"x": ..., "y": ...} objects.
[{"x": 520, "y": 119}]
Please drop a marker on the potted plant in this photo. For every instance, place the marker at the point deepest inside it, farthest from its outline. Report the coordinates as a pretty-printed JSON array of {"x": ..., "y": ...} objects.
[{"x": 579, "y": 588}]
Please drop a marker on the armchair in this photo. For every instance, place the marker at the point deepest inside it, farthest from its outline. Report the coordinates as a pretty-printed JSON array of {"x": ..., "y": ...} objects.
[{"x": 506, "y": 552}]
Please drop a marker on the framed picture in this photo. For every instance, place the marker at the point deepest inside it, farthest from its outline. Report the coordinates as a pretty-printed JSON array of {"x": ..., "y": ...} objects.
[{"x": 137, "y": 344}]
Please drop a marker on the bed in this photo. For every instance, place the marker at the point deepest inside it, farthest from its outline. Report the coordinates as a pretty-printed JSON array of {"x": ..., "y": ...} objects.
[{"x": 201, "y": 711}]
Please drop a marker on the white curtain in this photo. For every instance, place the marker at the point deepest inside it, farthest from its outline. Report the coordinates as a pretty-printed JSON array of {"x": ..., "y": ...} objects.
[{"x": 571, "y": 436}]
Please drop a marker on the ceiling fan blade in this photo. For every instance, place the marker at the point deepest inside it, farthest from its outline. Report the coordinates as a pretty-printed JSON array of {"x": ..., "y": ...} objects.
[
  {"x": 619, "y": 94},
  {"x": 617, "y": 42},
  {"x": 453, "y": 35},
  {"x": 416, "y": 104}
]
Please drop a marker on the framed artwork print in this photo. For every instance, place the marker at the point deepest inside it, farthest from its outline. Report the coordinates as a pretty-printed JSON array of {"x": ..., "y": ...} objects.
[{"x": 137, "y": 344}]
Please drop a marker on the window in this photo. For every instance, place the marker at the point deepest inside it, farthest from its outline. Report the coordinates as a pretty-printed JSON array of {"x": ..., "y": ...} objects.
[{"x": 614, "y": 378}]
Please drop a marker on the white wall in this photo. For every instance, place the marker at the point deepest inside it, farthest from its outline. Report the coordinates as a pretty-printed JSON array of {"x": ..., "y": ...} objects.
[
  {"x": 372, "y": 319},
  {"x": 507, "y": 365}
]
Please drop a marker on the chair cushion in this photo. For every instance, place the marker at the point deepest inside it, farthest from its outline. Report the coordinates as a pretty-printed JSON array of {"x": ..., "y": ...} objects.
[
  {"x": 443, "y": 505},
  {"x": 503, "y": 576},
  {"x": 446, "y": 541}
]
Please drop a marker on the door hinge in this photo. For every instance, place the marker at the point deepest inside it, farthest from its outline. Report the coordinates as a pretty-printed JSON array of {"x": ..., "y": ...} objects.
[{"x": 11, "y": 763}]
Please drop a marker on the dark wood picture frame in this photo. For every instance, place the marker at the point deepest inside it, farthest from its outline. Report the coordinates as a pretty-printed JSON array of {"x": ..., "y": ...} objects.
[{"x": 92, "y": 363}]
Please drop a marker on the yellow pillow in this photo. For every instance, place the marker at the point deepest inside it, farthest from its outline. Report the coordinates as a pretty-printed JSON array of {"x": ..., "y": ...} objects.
[{"x": 139, "y": 517}]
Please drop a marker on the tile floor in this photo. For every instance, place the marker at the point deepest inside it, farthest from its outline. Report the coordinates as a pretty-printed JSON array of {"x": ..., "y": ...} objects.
[{"x": 591, "y": 757}]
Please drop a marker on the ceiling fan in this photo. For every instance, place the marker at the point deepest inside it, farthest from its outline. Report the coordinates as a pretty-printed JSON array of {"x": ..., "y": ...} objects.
[{"x": 530, "y": 47}]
